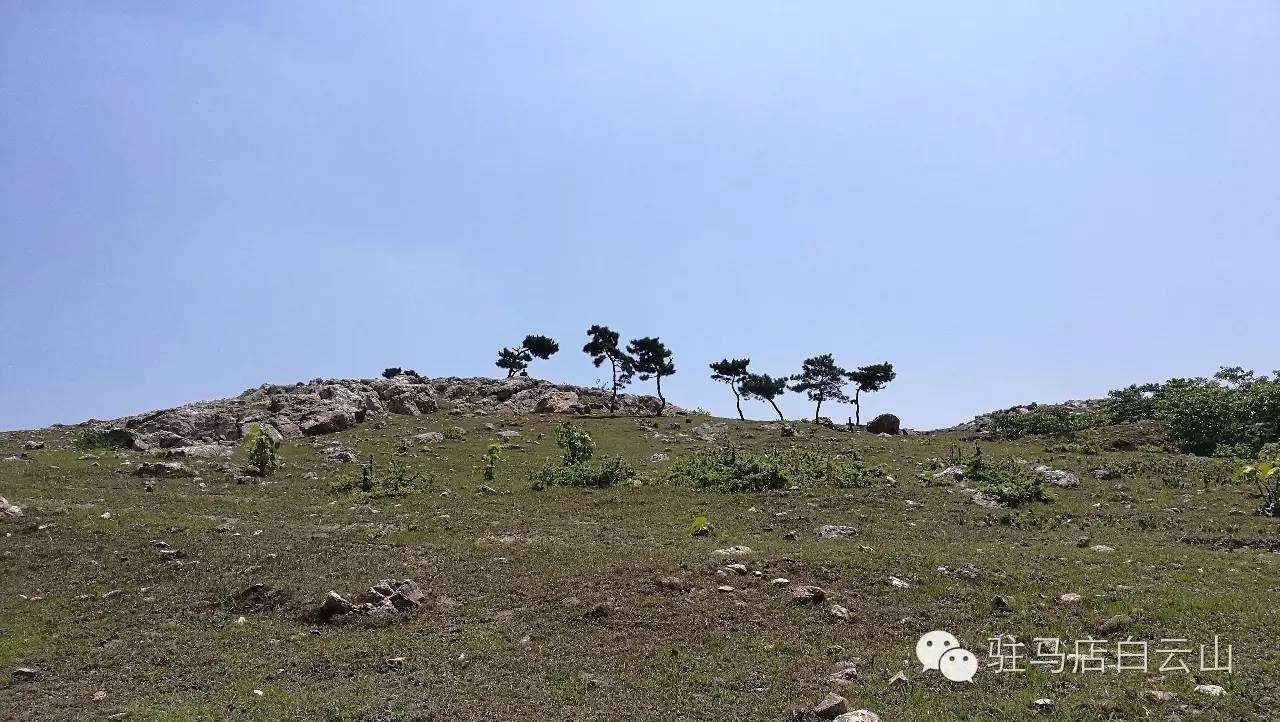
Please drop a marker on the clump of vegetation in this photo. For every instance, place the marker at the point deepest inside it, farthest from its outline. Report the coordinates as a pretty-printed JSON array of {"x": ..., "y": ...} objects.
[
  {"x": 577, "y": 468},
  {"x": 1234, "y": 414},
  {"x": 1072, "y": 447},
  {"x": 455, "y": 433},
  {"x": 732, "y": 469},
  {"x": 99, "y": 437},
  {"x": 700, "y": 526},
  {"x": 788, "y": 430},
  {"x": 1006, "y": 480},
  {"x": 575, "y": 442},
  {"x": 263, "y": 451},
  {"x": 395, "y": 371},
  {"x": 1057, "y": 422},
  {"x": 599, "y": 473},
  {"x": 516, "y": 360},
  {"x": 1265, "y": 476},
  {"x": 489, "y": 462},
  {"x": 373, "y": 482}
]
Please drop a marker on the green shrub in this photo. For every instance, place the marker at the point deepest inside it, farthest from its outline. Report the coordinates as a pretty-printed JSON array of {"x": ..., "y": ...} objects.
[
  {"x": 576, "y": 443},
  {"x": 1265, "y": 476},
  {"x": 1052, "y": 421},
  {"x": 731, "y": 469},
  {"x": 788, "y": 430},
  {"x": 1131, "y": 404},
  {"x": 263, "y": 451},
  {"x": 455, "y": 433},
  {"x": 700, "y": 526},
  {"x": 100, "y": 437},
  {"x": 372, "y": 482},
  {"x": 489, "y": 462},
  {"x": 1006, "y": 480},
  {"x": 599, "y": 473},
  {"x": 1072, "y": 447}
]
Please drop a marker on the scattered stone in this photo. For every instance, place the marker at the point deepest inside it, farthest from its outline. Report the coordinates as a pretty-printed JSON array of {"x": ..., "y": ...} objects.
[
  {"x": 486, "y": 489},
  {"x": 25, "y": 674},
  {"x": 737, "y": 568},
  {"x": 780, "y": 582},
  {"x": 672, "y": 583},
  {"x": 32, "y": 445},
  {"x": 790, "y": 535},
  {"x": 1042, "y": 703},
  {"x": 858, "y": 715},
  {"x": 725, "y": 588},
  {"x": 897, "y": 583},
  {"x": 509, "y": 434},
  {"x": 967, "y": 571},
  {"x": 1070, "y": 598},
  {"x": 709, "y": 431},
  {"x": 831, "y": 706},
  {"x": 955, "y": 473},
  {"x": 659, "y": 457},
  {"x": 1101, "y": 548},
  {"x": 1104, "y": 474},
  {"x": 1114, "y": 624},
  {"x": 1083, "y": 542},
  {"x": 1158, "y": 695},
  {"x": 1055, "y": 477},
  {"x": 808, "y": 594},
  {"x": 897, "y": 679},
  {"x": 1212, "y": 690},
  {"x": 835, "y": 531},
  {"x": 430, "y": 437},
  {"x": 1002, "y": 603},
  {"x": 840, "y": 613},
  {"x": 599, "y": 610},
  {"x": 167, "y": 469},
  {"x": 99, "y": 695},
  {"x": 388, "y": 596},
  {"x": 846, "y": 672},
  {"x": 735, "y": 550},
  {"x": 9, "y": 509}
]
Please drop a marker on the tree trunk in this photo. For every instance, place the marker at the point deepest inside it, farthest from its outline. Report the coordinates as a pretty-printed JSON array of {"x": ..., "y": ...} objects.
[
  {"x": 857, "y": 409},
  {"x": 613, "y": 400},
  {"x": 738, "y": 400},
  {"x": 817, "y": 409},
  {"x": 775, "y": 408},
  {"x": 662, "y": 402}
]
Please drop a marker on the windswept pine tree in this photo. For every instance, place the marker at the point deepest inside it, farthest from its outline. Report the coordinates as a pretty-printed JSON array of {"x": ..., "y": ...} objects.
[
  {"x": 732, "y": 372},
  {"x": 765, "y": 388},
  {"x": 651, "y": 359},
  {"x": 821, "y": 379},
  {"x": 516, "y": 360},
  {"x": 868, "y": 379},
  {"x": 602, "y": 347}
]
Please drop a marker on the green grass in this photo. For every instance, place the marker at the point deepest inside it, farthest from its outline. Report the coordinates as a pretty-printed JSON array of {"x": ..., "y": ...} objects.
[{"x": 501, "y": 567}]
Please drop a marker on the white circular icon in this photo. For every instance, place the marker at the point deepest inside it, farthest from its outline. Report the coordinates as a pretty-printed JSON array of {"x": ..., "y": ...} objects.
[
  {"x": 958, "y": 665},
  {"x": 933, "y": 645}
]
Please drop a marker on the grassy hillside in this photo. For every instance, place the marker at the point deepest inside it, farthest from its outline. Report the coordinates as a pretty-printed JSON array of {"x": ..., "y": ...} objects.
[{"x": 549, "y": 605}]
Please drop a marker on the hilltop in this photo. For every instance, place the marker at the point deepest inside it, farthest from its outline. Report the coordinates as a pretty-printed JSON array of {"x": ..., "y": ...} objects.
[{"x": 427, "y": 552}]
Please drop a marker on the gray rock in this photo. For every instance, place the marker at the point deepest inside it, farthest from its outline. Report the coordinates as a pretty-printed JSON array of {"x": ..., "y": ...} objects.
[
  {"x": 333, "y": 605},
  {"x": 25, "y": 674},
  {"x": 430, "y": 437},
  {"x": 835, "y": 531},
  {"x": 885, "y": 424},
  {"x": 808, "y": 594},
  {"x": 32, "y": 445},
  {"x": 859, "y": 715},
  {"x": 509, "y": 434},
  {"x": 9, "y": 509},
  {"x": 708, "y": 431},
  {"x": 831, "y": 706},
  {"x": 1118, "y": 623},
  {"x": 167, "y": 469}
]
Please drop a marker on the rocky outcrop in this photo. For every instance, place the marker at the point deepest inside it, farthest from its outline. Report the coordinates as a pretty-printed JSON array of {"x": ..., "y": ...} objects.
[
  {"x": 885, "y": 424},
  {"x": 327, "y": 406}
]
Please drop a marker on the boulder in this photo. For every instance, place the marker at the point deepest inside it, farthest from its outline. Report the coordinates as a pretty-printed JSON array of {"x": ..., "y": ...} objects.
[
  {"x": 885, "y": 424},
  {"x": 9, "y": 509},
  {"x": 162, "y": 469},
  {"x": 430, "y": 437},
  {"x": 328, "y": 422}
]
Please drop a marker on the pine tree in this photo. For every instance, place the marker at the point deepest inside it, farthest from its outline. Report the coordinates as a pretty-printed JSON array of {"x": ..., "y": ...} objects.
[
  {"x": 651, "y": 358},
  {"x": 732, "y": 372}
]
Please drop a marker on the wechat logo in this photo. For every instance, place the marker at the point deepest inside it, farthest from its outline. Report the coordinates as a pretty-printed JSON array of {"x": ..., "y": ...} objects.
[{"x": 941, "y": 651}]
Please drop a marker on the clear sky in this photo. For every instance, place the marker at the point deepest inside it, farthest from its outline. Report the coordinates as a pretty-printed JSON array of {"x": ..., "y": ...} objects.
[{"x": 1009, "y": 201}]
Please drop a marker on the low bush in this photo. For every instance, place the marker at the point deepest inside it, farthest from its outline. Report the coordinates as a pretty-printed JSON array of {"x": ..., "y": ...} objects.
[
  {"x": 374, "y": 482},
  {"x": 732, "y": 469},
  {"x": 98, "y": 437},
  {"x": 455, "y": 433},
  {"x": 599, "y": 473},
  {"x": 1006, "y": 480},
  {"x": 1056, "y": 422},
  {"x": 263, "y": 451},
  {"x": 575, "y": 442},
  {"x": 700, "y": 526},
  {"x": 1265, "y": 476}
]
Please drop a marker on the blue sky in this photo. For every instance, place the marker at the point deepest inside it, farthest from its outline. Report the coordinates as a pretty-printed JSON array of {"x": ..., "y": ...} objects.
[{"x": 1009, "y": 201}]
